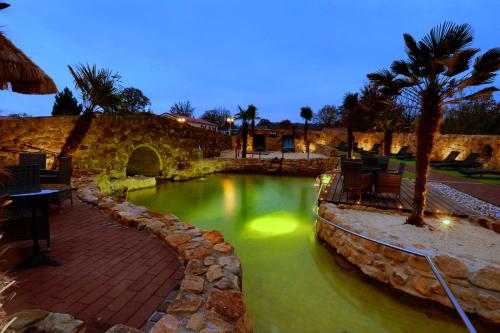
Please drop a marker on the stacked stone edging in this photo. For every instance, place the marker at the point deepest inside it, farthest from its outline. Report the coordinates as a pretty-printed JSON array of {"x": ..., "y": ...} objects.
[
  {"x": 477, "y": 288},
  {"x": 210, "y": 298}
]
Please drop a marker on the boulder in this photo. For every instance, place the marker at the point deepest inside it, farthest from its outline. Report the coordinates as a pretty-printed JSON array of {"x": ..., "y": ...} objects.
[
  {"x": 214, "y": 236},
  {"x": 228, "y": 304},
  {"x": 487, "y": 278},
  {"x": 214, "y": 273},
  {"x": 120, "y": 328},
  {"x": 193, "y": 284},
  {"x": 167, "y": 324},
  {"x": 58, "y": 323},
  {"x": 185, "y": 303},
  {"x": 452, "y": 267},
  {"x": 25, "y": 318}
]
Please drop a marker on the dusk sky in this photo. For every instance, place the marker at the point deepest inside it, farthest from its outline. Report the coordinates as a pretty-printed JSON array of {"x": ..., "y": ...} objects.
[{"x": 279, "y": 55}]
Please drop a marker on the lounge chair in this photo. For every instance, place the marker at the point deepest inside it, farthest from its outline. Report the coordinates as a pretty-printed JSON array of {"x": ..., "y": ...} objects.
[
  {"x": 404, "y": 154},
  {"x": 468, "y": 162},
  {"x": 375, "y": 149},
  {"x": 402, "y": 151},
  {"x": 480, "y": 172},
  {"x": 448, "y": 159},
  {"x": 342, "y": 146},
  {"x": 355, "y": 181}
]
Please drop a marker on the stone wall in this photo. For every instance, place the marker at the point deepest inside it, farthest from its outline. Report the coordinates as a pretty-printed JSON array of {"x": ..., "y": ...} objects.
[
  {"x": 476, "y": 286},
  {"x": 445, "y": 143},
  {"x": 312, "y": 167},
  {"x": 112, "y": 139},
  {"x": 210, "y": 297}
]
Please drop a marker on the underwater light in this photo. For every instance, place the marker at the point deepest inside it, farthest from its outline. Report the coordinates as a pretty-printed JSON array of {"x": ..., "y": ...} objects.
[{"x": 274, "y": 224}]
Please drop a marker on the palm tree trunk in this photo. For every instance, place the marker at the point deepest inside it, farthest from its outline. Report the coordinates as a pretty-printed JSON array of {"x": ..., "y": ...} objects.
[
  {"x": 77, "y": 134},
  {"x": 427, "y": 128},
  {"x": 349, "y": 140},
  {"x": 306, "y": 139},
  {"x": 387, "y": 142},
  {"x": 244, "y": 140}
]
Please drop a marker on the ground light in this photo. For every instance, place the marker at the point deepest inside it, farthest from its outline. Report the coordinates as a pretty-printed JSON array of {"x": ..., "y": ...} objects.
[{"x": 273, "y": 224}]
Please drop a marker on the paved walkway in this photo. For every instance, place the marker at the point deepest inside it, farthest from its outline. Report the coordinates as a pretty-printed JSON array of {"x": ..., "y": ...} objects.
[
  {"x": 109, "y": 273},
  {"x": 486, "y": 192}
]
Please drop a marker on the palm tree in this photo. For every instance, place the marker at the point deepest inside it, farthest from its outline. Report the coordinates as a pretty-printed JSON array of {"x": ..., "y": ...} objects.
[
  {"x": 350, "y": 112},
  {"x": 99, "y": 91},
  {"x": 436, "y": 71},
  {"x": 385, "y": 113},
  {"x": 244, "y": 116},
  {"x": 252, "y": 113},
  {"x": 306, "y": 113}
]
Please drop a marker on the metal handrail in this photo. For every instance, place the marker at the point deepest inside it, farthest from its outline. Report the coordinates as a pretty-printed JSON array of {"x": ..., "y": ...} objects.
[{"x": 433, "y": 267}]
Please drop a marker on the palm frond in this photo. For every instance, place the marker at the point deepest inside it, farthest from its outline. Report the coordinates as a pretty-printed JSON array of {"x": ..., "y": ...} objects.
[
  {"x": 401, "y": 67},
  {"x": 458, "y": 62}
]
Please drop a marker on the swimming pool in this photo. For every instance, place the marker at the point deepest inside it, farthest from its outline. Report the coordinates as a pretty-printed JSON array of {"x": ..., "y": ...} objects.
[{"x": 291, "y": 281}]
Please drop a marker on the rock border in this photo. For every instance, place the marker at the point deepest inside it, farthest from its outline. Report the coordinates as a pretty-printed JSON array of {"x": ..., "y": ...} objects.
[
  {"x": 210, "y": 298},
  {"x": 477, "y": 290}
]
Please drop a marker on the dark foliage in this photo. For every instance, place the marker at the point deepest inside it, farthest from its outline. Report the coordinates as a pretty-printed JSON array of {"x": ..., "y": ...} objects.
[
  {"x": 65, "y": 104},
  {"x": 480, "y": 116},
  {"x": 182, "y": 109},
  {"x": 133, "y": 100},
  {"x": 217, "y": 116}
]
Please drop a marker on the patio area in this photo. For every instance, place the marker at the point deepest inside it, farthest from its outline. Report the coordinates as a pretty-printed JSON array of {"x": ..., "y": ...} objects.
[{"x": 108, "y": 273}]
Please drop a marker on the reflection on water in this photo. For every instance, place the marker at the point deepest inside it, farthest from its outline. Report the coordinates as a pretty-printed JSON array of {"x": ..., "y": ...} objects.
[{"x": 291, "y": 282}]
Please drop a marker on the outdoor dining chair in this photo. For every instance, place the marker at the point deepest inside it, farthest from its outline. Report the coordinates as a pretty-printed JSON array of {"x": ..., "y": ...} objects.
[
  {"x": 30, "y": 158},
  {"x": 355, "y": 181}
]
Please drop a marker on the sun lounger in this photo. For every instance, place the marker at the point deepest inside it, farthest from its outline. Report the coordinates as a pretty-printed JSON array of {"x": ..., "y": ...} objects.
[
  {"x": 448, "y": 159},
  {"x": 469, "y": 162},
  {"x": 480, "y": 172}
]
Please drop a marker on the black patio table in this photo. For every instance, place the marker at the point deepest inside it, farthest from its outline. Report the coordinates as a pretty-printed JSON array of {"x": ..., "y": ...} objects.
[{"x": 37, "y": 199}]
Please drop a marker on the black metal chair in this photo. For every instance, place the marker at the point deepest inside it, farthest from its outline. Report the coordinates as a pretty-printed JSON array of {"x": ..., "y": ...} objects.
[
  {"x": 29, "y": 158},
  {"x": 60, "y": 176},
  {"x": 19, "y": 223}
]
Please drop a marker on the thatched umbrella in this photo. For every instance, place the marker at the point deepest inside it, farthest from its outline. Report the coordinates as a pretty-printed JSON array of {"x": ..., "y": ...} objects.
[{"x": 20, "y": 72}]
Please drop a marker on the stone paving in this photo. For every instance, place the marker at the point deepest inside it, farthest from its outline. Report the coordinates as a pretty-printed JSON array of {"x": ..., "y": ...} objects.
[{"x": 109, "y": 273}]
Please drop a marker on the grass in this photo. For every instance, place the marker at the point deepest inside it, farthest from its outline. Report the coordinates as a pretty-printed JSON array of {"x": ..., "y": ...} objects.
[{"x": 491, "y": 180}]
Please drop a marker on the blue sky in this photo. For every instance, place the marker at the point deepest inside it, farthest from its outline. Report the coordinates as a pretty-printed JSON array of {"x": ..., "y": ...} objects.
[{"x": 279, "y": 55}]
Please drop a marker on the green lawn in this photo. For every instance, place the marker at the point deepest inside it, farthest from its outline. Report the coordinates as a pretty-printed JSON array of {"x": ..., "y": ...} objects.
[{"x": 494, "y": 180}]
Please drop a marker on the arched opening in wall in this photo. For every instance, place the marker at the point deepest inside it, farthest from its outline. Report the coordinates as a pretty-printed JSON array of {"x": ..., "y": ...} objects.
[
  {"x": 144, "y": 161},
  {"x": 487, "y": 151}
]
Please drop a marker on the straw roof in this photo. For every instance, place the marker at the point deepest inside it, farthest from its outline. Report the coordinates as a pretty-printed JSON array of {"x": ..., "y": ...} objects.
[{"x": 20, "y": 72}]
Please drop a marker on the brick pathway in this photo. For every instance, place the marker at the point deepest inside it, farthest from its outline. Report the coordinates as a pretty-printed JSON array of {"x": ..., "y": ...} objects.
[
  {"x": 109, "y": 273},
  {"x": 486, "y": 192}
]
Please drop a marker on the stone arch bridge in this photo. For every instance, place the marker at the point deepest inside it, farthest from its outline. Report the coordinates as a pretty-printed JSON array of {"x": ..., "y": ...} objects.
[{"x": 139, "y": 143}]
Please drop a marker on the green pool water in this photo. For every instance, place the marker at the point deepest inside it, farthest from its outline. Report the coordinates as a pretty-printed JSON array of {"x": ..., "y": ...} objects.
[{"x": 291, "y": 281}]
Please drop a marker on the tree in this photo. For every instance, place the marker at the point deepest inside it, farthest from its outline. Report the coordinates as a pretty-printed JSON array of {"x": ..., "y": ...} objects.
[
  {"x": 99, "y": 91},
  {"x": 244, "y": 117},
  {"x": 264, "y": 122},
  {"x": 480, "y": 116},
  {"x": 133, "y": 100},
  {"x": 65, "y": 104},
  {"x": 217, "y": 116},
  {"x": 285, "y": 124},
  {"x": 326, "y": 116},
  {"x": 182, "y": 109},
  {"x": 350, "y": 113},
  {"x": 385, "y": 114},
  {"x": 19, "y": 115},
  {"x": 306, "y": 113},
  {"x": 436, "y": 71},
  {"x": 252, "y": 113}
]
